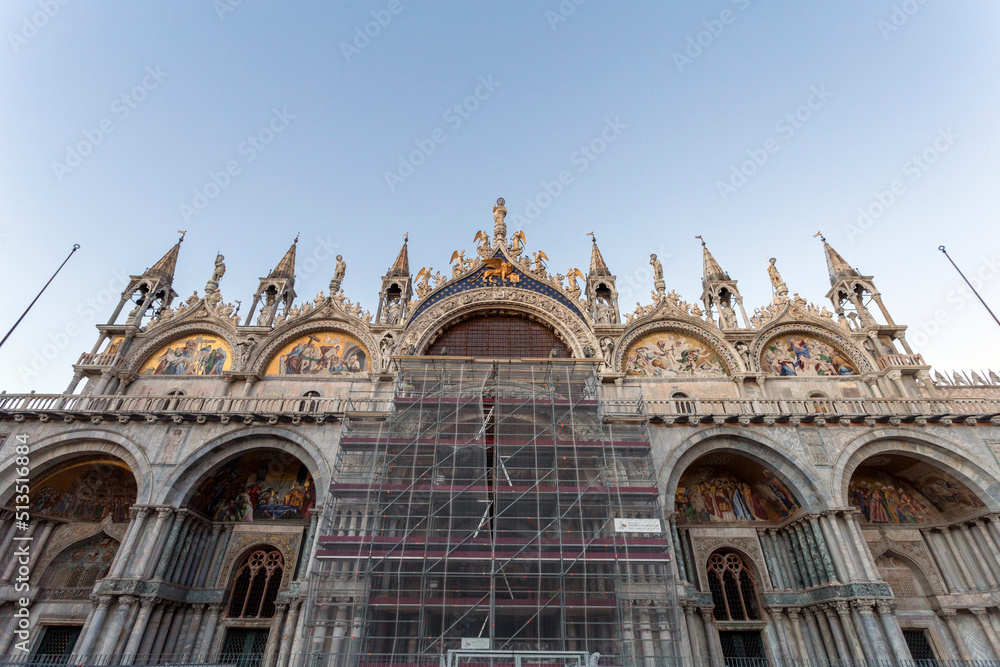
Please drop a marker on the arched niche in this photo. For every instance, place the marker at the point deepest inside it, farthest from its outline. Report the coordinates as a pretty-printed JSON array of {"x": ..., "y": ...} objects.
[
  {"x": 668, "y": 353},
  {"x": 198, "y": 354},
  {"x": 320, "y": 354},
  {"x": 895, "y": 488},
  {"x": 724, "y": 487},
  {"x": 803, "y": 354},
  {"x": 262, "y": 484},
  {"x": 498, "y": 335},
  {"x": 81, "y": 564},
  {"x": 85, "y": 489},
  {"x": 809, "y": 493}
]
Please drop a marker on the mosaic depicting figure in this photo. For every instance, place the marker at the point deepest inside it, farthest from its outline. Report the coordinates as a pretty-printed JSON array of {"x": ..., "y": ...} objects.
[
  {"x": 715, "y": 493},
  {"x": 87, "y": 490},
  {"x": 258, "y": 486},
  {"x": 324, "y": 353},
  {"x": 917, "y": 494},
  {"x": 194, "y": 355},
  {"x": 802, "y": 355},
  {"x": 667, "y": 354}
]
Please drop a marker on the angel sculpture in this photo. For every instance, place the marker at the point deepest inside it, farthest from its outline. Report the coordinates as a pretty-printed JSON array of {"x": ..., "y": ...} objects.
[
  {"x": 423, "y": 288},
  {"x": 439, "y": 279},
  {"x": 483, "y": 239},
  {"x": 571, "y": 286},
  {"x": 459, "y": 267},
  {"x": 517, "y": 243},
  {"x": 539, "y": 264}
]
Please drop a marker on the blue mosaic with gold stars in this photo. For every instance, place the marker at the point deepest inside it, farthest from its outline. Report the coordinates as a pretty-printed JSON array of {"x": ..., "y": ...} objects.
[{"x": 475, "y": 281}]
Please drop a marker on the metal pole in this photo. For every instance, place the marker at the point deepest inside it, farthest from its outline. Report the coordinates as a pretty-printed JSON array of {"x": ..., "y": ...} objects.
[
  {"x": 941, "y": 248},
  {"x": 76, "y": 246}
]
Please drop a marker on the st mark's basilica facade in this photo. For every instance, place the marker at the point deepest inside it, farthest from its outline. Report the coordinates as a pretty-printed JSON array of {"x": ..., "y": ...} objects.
[{"x": 504, "y": 459}]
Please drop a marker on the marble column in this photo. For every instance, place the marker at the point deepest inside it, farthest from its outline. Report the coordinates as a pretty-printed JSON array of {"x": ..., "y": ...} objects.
[
  {"x": 956, "y": 555},
  {"x": 209, "y": 557},
  {"x": 818, "y": 624},
  {"x": 797, "y": 637},
  {"x": 149, "y": 543},
  {"x": 274, "y": 636},
  {"x": 12, "y": 564},
  {"x": 138, "y": 629},
  {"x": 991, "y": 546},
  {"x": 159, "y": 642},
  {"x": 892, "y": 630},
  {"x": 152, "y": 629},
  {"x": 824, "y": 551},
  {"x": 948, "y": 615},
  {"x": 847, "y": 625},
  {"x": 7, "y": 634},
  {"x": 771, "y": 560},
  {"x": 678, "y": 555},
  {"x": 176, "y": 630},
  {"x": 180, "y": 550},
  {"x": 187, "y": 648},
  {"x": 285, "y": 649},
  {"x": 166, "y": 555},
  {"x": 190, "y": 553},
  {"x": 91, "y": 630},
  {"x": 811, "y": 553},
  {"x": 876, "y": 640},
  {"x": 712, "y": 637},
  {"x": 777, "y": 625},
  {"x": 864, "y": 554},
  {"x": 842, "y": 537},
  {"x": 978, "y": 556},
  {"x": 803, "y": 554},
  {"x": 38, "y": 548},
  {"x": 840, "y": 639},
  {"x": 795, "y": 578},
  {"x": 836, "y": 550},
  {"x": 665, "y": 631},
  {"x": 124, "y": 554},
  {"x": 991, "y": 635},
  {"x": 204, "y": 644},
  {"x": 113, "y": 633},
  {"x": 220, "y": 552}
]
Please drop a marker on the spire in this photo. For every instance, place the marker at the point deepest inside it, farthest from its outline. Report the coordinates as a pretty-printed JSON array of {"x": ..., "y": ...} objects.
[
  {"x": 163, "y": 270},
  {"x": 712, "y": 269},
  {"x": 597, "y": 265},
  {"x": 401, "y": 267},
  {"x": 286, "y": 267},
  {"x": 838, "y": 266}
]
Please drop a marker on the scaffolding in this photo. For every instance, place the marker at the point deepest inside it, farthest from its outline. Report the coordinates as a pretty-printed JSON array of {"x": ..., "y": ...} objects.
[{"x": 497, "y": 507}]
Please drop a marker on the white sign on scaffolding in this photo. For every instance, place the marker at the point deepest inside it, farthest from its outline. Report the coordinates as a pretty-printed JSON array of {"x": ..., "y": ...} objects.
[
  {"x": 476, "y": 643},
  {"x": 638, "y": 526}
]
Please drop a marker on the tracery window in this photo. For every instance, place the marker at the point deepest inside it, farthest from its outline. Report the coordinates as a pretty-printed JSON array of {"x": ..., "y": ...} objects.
[
  {"x": 256, "y": 584},
  {"x": 734, "y": 590}
]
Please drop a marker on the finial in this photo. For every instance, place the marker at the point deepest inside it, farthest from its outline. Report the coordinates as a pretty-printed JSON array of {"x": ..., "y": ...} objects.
[
  {"x": 295, "y": 242},
  {"x": 701, "y": 239},
  {"x": 591, "y": 234},
  {"x": 406, "y": 237},
  {"x": 182, "y": 233},
  {"x": 820, "y": 235}
]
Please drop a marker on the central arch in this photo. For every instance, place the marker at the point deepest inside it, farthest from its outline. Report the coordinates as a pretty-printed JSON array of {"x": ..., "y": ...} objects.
[{"x": 497, "y": 335}]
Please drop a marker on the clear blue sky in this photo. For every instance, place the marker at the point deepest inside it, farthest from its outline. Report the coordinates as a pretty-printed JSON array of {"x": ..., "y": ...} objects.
[{"x": 887, "y": 83}]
